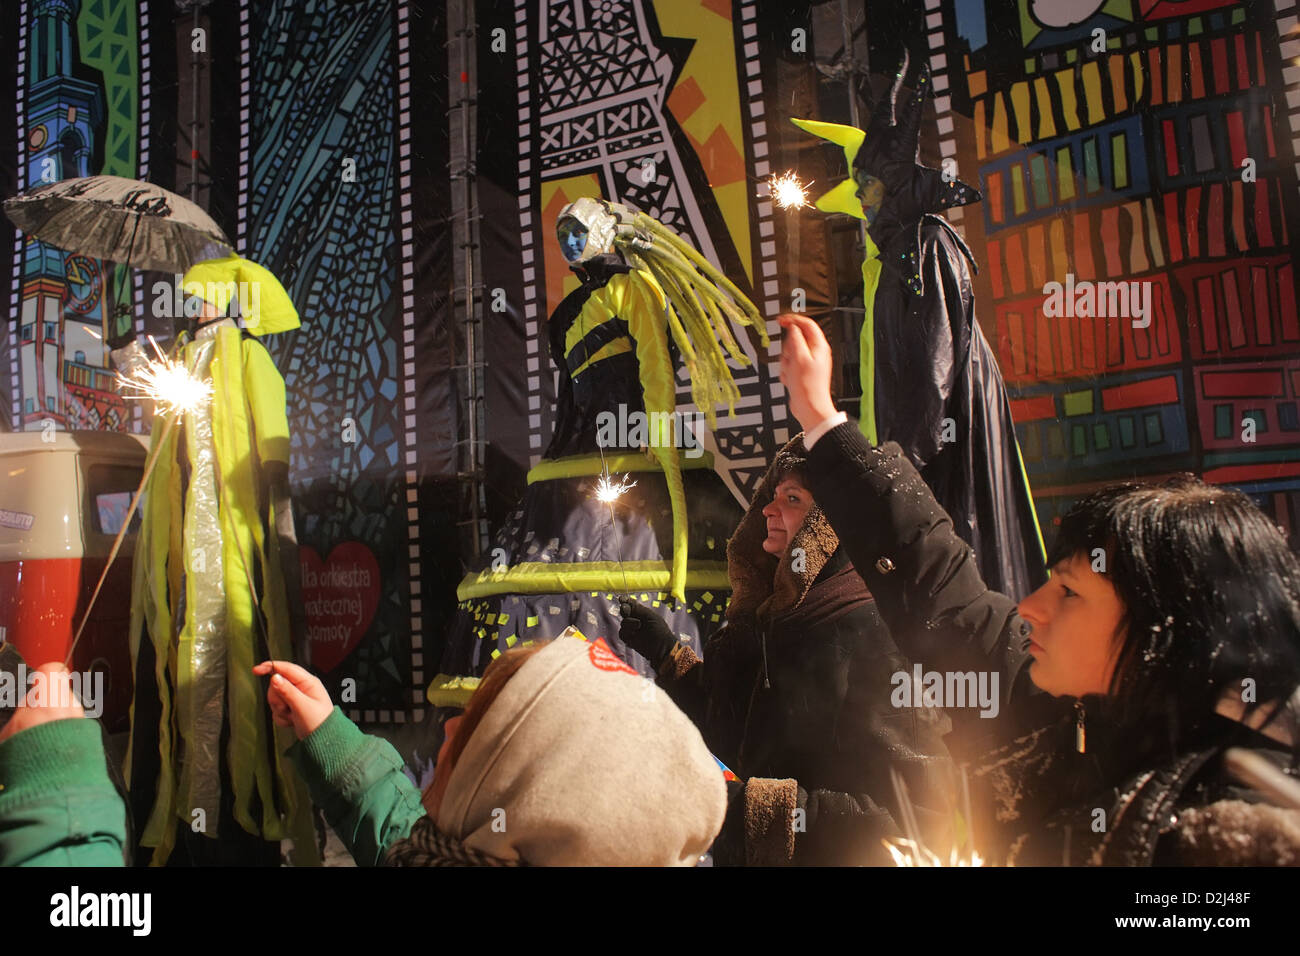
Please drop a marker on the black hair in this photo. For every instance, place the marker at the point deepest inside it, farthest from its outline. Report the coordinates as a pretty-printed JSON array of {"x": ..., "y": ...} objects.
[{"x": 1211, "y": 597}]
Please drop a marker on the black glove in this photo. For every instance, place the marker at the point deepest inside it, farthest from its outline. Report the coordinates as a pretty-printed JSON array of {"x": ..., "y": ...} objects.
[{"x": 645, "y": 632}]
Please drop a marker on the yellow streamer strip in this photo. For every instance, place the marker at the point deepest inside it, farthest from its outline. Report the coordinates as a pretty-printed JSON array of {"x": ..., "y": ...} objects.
[
  {"x": 581, "y": 466},
  {"x": 540, "y": 577}
]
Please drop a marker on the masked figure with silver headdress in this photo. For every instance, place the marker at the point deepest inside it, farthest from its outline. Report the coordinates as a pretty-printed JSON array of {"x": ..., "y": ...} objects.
[
  {"x": 564, "y": 557},
  {"x": 209, "y": 599}
]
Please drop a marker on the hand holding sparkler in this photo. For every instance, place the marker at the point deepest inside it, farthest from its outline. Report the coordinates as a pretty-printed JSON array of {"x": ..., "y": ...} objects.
[
  {"x": 645, "y": 632},
  {"x": 806, "y": 369},
  {"x": 52, "y": 699},
  {"x": 296, "y": 697}
]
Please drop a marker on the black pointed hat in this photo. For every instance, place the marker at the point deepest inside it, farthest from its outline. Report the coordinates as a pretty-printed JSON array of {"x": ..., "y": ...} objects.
[{"x": 889, "y": 149}]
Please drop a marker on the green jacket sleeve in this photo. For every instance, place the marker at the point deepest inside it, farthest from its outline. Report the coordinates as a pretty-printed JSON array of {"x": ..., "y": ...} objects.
[
  {"x": 358, "y": 782},
  {"x": 58, "y": 806}
]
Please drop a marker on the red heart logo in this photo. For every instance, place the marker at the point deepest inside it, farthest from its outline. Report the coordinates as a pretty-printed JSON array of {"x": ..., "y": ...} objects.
[{"x": 339, "y": 598}]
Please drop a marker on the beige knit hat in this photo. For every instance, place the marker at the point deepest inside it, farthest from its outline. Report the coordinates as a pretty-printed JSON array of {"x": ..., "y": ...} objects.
[{"x": 580, "y": 761}]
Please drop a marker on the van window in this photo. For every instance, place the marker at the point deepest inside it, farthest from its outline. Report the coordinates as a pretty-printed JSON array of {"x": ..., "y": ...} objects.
[{"x": 111, "y": 488}]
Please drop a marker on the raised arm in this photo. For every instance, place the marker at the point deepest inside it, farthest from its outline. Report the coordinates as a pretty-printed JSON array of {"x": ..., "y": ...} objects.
[{"x": 924, "y": 578}]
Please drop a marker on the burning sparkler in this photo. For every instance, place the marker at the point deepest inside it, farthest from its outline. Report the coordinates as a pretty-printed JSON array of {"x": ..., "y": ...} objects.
[
  {"x": 168, "y": 383},
  {"x": 610, "y": 491},
  {"x": 787, "y": 191},
  {"x": 911, "y": 853},
  {"x": 175, "y": 392},
  {"x": 911, "y": 850}
]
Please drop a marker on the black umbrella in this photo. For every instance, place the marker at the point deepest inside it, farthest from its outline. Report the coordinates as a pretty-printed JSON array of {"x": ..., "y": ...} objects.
[{"x": 123, "y": 220}]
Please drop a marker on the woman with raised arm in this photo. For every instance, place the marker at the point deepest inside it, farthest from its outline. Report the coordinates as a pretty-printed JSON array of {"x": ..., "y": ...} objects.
[
  {"x": 1149, "y": 704},
  {"x": 794, "y": 693}
]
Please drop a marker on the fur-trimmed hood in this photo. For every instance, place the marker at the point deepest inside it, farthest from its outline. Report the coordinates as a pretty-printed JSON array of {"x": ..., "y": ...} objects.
[{"x": 764, "y": 584}]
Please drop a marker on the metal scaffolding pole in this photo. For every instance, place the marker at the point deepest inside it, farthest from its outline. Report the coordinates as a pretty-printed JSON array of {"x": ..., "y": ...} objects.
[{"x": 462, "y": 129}]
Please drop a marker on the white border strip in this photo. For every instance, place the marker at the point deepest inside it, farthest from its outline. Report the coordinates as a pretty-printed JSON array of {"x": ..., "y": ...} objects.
[
  {"x": 939, "y": 70},
  {"x": 402, "y": 28},
  {"x": 533, "y": 292},
  {"x": 245, "y": 123},
  {"x": 1288, "y": 31},
  {"x": 766, "y": 267},
  {"x": 142, "y": 172},
  {"x": 16, "y": 285}
]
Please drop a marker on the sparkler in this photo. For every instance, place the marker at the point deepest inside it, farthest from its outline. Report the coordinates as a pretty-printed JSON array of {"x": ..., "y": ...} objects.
[
  {"x": 910, "y": 853},
  {"x": 787, "y": 191},
  {"x": 609, "y": 491},
  {"x": 789, "y": 194},
  {"x": 175, "y": 391},
  {"x": 911, "y": 850},
  {"x": 167, "y": 383}
]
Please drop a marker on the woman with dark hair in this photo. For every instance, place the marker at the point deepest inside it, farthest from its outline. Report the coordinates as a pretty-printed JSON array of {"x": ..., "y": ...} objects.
[{"x": 1156, "y": 719}]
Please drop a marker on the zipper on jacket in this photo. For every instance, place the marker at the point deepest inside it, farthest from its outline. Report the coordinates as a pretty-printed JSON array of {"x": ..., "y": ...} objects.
[
  {"x": 1080, "y": 730},
  {"x": 762, "y": 639}
]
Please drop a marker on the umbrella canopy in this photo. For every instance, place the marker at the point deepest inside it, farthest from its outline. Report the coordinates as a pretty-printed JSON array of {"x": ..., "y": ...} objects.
[{"x": 123, "y": 220}]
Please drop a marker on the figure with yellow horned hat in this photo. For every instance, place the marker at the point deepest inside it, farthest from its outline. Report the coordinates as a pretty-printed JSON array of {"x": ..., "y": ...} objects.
[
  {"x": 930, "y": 381},
  {"x": 209, "y": 598}
]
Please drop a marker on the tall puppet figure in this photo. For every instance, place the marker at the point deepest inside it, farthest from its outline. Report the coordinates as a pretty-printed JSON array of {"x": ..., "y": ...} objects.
[
  {"x": 567, "y": 553},
  {"x": 209, "y": 596},
  {"x": 929, "y": 379}
]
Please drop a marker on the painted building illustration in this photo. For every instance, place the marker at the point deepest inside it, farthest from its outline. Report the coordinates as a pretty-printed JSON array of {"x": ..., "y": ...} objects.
[
  {"x": 81, "y": 90},
  {"x": 1141, "y": 144}
]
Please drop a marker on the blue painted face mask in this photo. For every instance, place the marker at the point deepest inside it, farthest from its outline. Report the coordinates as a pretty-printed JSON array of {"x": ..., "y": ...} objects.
[{"x": 573, "y": 239}]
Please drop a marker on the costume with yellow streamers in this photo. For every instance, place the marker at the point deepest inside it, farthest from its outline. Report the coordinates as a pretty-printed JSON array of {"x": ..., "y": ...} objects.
[
  {"x": 564, "y": 557},
  {"x": 208, "y": 592}
]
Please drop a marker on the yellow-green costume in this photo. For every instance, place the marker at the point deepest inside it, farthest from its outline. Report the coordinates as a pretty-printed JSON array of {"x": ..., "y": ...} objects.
[
  {"x": 563, "y": 557},
  {"x": 208, "y": 590}
]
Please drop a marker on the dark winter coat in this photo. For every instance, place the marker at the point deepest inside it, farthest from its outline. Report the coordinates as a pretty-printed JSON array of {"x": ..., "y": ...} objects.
[
  {"x": 793, "y": 695},
  {"x": 1126, "y": 800}
]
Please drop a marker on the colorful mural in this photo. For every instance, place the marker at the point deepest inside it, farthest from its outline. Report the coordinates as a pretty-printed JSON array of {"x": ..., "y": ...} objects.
[
  {"x": 1139, "y": 154},
  {"x": 81, "y": 96},
  {"x": 321, "y": 206}
]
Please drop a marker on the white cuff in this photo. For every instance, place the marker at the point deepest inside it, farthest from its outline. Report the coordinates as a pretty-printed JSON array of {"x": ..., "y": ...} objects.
[{"x": 817, "y": 431}]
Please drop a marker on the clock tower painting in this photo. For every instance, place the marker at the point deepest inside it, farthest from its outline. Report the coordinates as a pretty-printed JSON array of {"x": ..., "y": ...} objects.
[{"x": 67, "y": 300}]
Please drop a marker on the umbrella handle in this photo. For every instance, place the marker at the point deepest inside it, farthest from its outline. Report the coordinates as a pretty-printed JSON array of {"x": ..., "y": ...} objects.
[{"x": 111, "y": 338}]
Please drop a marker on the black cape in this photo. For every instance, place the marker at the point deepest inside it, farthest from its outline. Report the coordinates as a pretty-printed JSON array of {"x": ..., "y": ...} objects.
[{"x": 939, "y": 394}]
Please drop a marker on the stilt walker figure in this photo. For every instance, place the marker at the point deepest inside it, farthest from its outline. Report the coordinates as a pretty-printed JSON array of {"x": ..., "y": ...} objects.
[
  {"x": 209, "y": 784},
  {"x": 606, "y": 510},
  {"x": 929, "y": 379}
]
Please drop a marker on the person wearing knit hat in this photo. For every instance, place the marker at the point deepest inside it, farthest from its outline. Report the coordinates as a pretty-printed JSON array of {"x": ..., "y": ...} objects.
[
  {"x": 576, "y": 760},
  {"x": 795, "y": 693}
]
